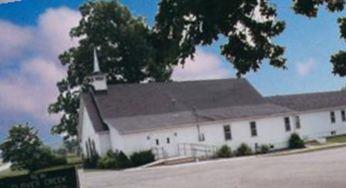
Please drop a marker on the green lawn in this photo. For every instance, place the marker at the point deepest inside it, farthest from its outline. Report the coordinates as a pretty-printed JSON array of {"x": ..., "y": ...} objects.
[
  {"x": 71, "y": 161},
  {"x": 337, "y": 139},
  {"x": 11, "y": 173},
  {"x": 74, "y": 159}
]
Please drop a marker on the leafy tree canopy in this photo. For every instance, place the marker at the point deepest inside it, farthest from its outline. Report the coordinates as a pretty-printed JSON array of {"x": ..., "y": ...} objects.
[
  {"x": 24, "y": 149},
  {"x": 72, "y": 146},
  {"x": 310, "y": 7},
  {"x": 248, "y": 25},
  {"x": 21, "y": 147}
]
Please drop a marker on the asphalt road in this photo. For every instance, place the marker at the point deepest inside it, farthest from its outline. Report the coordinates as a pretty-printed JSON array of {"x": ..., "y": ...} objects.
[{"x": 319, "y": 169}]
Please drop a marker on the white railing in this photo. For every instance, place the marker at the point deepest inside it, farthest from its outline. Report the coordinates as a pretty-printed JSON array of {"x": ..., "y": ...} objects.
[
  {"x": 196, "y": 150},
  {"x": 159, "y": 153}
]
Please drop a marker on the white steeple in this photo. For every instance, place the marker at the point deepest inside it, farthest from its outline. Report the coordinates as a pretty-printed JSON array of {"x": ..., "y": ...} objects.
[
  {"x": 96, "y": 63},
  {"x": 99, "y": 80}
]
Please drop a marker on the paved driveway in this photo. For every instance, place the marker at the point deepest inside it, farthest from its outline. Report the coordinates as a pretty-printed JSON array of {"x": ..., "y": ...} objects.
[{"x": 316, "y": 170}]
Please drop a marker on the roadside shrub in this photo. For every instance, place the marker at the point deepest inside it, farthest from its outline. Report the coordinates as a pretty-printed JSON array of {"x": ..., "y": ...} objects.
[
  {"x": 224, "y": 152},
  {"x": 295, "y": 142},
  {"x": 48, "y": 158},
  {"x": 243, "y": 150},
  {"x": 45, "y": 158},
  {"x": 142, "y": 158},
  {"x": 264, "y": 148}
]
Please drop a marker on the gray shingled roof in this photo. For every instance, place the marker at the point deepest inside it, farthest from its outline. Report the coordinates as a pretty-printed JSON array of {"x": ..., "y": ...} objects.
[
  {"x": 133, "y": 124},
  {"x": 158, "y": 98},
  {"x": 93, "y": 112},
  {"x": 310, "y": 101},
  {"x": 136, "y": 107}
]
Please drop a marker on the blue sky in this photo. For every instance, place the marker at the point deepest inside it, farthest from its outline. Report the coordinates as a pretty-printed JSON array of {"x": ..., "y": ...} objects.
[{"x": 34, "y": 32}]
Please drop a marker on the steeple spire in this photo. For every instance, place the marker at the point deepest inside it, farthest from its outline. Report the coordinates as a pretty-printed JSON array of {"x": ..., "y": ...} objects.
[
  {"x": 99, "y": 80},
  {"x": 96, "y": 63}
]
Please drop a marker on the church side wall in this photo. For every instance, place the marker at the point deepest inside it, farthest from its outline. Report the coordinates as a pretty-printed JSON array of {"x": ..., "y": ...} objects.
[
  {"x": 270, "y": 130},
  {"x": 318, "y": 124},
  {"x": 117, "y": 141},
  {"x": 101, "y": 140}
]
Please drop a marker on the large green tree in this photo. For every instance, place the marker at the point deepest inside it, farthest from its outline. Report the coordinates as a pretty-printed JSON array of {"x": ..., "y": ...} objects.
[
  {"x": 21, "y": 147},
  {"x": 247, "y": 25},
  {"x": 25, "y": 151},
  {"x": 127, "y": 50}
]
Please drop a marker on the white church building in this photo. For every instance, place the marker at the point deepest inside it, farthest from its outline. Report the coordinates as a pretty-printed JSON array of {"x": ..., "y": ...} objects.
[{"x": 178, "y": 118}]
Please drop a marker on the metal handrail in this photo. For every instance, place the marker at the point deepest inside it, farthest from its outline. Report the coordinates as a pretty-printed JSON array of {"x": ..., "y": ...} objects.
[
  {"x": 186, "y": 149},
  {"x": 159, "y": 152}
]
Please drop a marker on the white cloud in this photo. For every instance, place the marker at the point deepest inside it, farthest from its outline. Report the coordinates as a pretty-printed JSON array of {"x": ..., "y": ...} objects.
[
  {"x": 31, "y": 87},
  {"x": 53, "y": 30},
  {"x": 307, "y": 67},
  {"x": 204, "y": 66},
  {"x": 8, "y": 1},
  {"x": 14, "y": 40}
]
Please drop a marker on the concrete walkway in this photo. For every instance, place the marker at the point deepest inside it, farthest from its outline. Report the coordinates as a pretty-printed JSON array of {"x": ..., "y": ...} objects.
[
  {"x": 319, "y": 169},
  {"x": 309, "y": 148}
]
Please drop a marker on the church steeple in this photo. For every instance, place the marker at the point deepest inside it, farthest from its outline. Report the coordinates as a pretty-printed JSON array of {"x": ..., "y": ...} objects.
[
  {"x": 96, "y": 63},
  {"x": 99, "y": 80}
]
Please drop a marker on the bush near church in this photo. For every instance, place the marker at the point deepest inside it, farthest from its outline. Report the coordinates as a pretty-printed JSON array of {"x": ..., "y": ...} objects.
[
  {"x": 114, "y": 160},
  {"x": 224, "y": 152},
  {"x": 295, "y": 142},
  {"x": 91, "y": 162},
  {"x": 244, "y": 150},
  {"x": 118, "y": 160},
  {"x": 142, "y": 157},
  {"x": 25, "y": 151},
  {"x": 263, "y": 149}
]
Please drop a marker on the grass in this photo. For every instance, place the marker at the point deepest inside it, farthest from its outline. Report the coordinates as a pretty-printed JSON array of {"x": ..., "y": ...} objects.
[
  {"x": 11, "y": 173},
  {"x": 337, "y": 139},
  {"x": 72, "y": 160}
]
